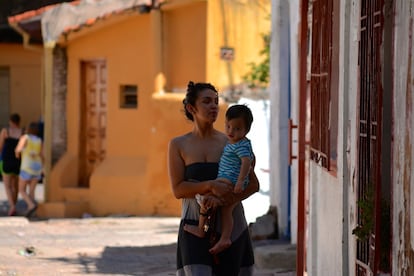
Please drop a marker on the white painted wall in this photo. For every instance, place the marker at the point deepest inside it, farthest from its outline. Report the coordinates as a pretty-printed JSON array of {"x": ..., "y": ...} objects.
[
  {"x": 325, "y": 223},
  {"x": 349, "y": 87},
  {"x": 332, "y": 198},
  {"x": 279, "y": 96}
]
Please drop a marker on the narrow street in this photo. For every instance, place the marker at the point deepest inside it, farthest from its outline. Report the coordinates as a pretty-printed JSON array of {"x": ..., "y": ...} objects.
[{"x": 90, "y": 246}]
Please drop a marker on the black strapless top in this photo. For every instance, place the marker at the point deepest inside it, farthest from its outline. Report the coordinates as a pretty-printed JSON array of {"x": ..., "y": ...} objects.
[{"x": 201, "y": 171}]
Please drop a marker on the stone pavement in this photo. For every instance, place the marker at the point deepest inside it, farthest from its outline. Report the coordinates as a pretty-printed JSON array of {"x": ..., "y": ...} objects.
[{"x": 93, "y": 246}]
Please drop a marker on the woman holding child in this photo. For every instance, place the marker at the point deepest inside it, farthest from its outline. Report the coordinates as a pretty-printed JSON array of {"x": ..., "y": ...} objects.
[{"x": 193, "y": 166}]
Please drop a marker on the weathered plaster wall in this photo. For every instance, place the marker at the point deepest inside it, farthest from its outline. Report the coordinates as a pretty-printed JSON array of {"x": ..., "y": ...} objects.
[
  {"x": 331, "y": 245},
  {"x": 350, "y": 15},
  {"x": 403, "y": 152},
  {"x": 324, "y": 238},
  {"x": 25, "y": 81}
]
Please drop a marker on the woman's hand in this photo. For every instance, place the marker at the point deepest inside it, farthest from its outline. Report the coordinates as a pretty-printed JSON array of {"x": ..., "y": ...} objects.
[{"x": 211, "y": 202}]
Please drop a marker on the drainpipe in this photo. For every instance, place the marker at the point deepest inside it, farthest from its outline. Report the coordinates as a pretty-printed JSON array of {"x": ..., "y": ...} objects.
[{"x": 48, "y": 83}]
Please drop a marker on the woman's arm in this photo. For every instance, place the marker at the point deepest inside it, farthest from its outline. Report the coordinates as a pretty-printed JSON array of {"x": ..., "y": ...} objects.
[
  {"x": 2, "y": 138},
  {"x": 188, "y": 189},
  {"x": 252, "y": 188}
]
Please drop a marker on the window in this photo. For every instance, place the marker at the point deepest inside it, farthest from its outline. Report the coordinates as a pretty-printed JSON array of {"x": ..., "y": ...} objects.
[
  {"x": 129, "y": 96},
  {"x": 324, "y": 83}
]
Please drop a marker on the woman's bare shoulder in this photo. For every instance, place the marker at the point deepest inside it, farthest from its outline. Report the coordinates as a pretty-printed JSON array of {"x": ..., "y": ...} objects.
[
  {"x": 179, "y": 140},
  {"x": 221, "y": 136}
]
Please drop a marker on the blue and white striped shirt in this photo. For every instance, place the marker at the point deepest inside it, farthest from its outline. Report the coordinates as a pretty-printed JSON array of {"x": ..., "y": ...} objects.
[{"x": 230, "y": 161}]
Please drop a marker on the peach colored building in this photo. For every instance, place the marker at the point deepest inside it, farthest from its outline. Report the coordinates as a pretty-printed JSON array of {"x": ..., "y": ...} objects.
[
  {"x": 115, "y": 74},
  {"x": 20, "y": 82}
]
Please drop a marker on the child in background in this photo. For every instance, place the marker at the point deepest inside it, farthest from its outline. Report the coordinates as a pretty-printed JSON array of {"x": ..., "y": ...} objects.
[
  {"x": 30, "y": 149},
  {"x": 234, "y": 168}
]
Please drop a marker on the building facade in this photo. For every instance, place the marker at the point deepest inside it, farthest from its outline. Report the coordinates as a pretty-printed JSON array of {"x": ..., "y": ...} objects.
[{"x": 115, "y": 74}]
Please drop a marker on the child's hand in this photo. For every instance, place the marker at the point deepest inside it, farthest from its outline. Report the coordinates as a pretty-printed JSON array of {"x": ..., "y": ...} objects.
[{"x": 238, "y": 188}]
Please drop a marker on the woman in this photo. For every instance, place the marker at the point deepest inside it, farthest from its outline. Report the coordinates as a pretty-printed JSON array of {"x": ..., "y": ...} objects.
[
  {"x": 193, "y": 165},
  {"x": 30, "y": 149},
  {"x": 9, "y": 137}
]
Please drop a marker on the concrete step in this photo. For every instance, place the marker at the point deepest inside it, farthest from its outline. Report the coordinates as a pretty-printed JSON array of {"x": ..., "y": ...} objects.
[
  {"x": 60, "y": 209},
  {"x": 75, "y": 194},
  {"x": 275, "y": 254}
]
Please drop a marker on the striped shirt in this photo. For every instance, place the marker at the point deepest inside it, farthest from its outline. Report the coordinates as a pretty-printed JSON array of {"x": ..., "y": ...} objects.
[{"x": 230, "y": 161}]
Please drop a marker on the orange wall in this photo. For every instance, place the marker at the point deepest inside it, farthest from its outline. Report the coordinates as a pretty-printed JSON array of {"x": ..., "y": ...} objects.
[
  {"x": 126, "y": 47},
  {"x": 25, "y": 80},
  {"x": 133, "y": 177},
  {"x": 184, "y": 43}
]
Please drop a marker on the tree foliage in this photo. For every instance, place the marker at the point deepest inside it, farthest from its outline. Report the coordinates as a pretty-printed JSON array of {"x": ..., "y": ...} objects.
[{"x": 258, "y": 74}]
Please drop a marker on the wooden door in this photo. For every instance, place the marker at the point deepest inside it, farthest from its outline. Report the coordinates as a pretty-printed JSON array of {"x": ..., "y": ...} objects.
[{"x": 93, "y": 118}]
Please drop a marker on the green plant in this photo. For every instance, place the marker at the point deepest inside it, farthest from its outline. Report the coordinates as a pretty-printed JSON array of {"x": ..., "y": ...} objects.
[
  {"x": 366, "y": 212},
  {"x": 258, "y": 74}
]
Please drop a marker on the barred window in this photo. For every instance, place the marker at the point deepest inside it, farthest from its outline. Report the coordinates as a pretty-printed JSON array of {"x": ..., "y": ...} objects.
[
  {"x": 129, "y": 96},
  {"x": 324, "y": 83}
]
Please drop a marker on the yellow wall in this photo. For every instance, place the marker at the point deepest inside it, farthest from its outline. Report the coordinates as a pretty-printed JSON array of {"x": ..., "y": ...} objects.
[
  {"x": 184, "y": 45},
  {"x": 25, "y": 80},
  {"x": 244, "y": 23}
]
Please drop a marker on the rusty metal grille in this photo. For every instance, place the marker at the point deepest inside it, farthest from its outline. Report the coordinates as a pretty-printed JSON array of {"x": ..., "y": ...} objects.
[
  {"x": 321, "y": 60},
  {"x": 371, "y": 28}
]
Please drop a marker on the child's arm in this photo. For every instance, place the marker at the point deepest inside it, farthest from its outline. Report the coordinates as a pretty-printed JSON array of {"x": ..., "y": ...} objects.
[
  {"x": 20, "y": 146},
  {"x": 244, "y": 171}
]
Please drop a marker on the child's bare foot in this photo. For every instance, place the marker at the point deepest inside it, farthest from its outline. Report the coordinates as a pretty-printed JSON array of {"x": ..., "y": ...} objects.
[
  {"x": 194, "y": 230},
  {"x": 221, "y": 245}
]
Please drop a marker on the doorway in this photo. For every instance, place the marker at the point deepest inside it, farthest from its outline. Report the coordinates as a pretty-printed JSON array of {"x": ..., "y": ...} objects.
[{"x": 93, "y": 113}]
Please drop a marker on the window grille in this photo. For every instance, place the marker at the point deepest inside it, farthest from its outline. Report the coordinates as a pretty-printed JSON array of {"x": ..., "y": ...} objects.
[
  {"x": 370, "y": 102},
  {"x": 321, "y": 60}
]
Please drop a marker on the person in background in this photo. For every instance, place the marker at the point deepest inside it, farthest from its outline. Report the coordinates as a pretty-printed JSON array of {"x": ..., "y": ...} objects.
[
  {"x": 30, "y": 149},
  {"x": 234, "y": 169},
  {"x": 193, "y": 160},
  {"x": 9, "y": 137}
]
